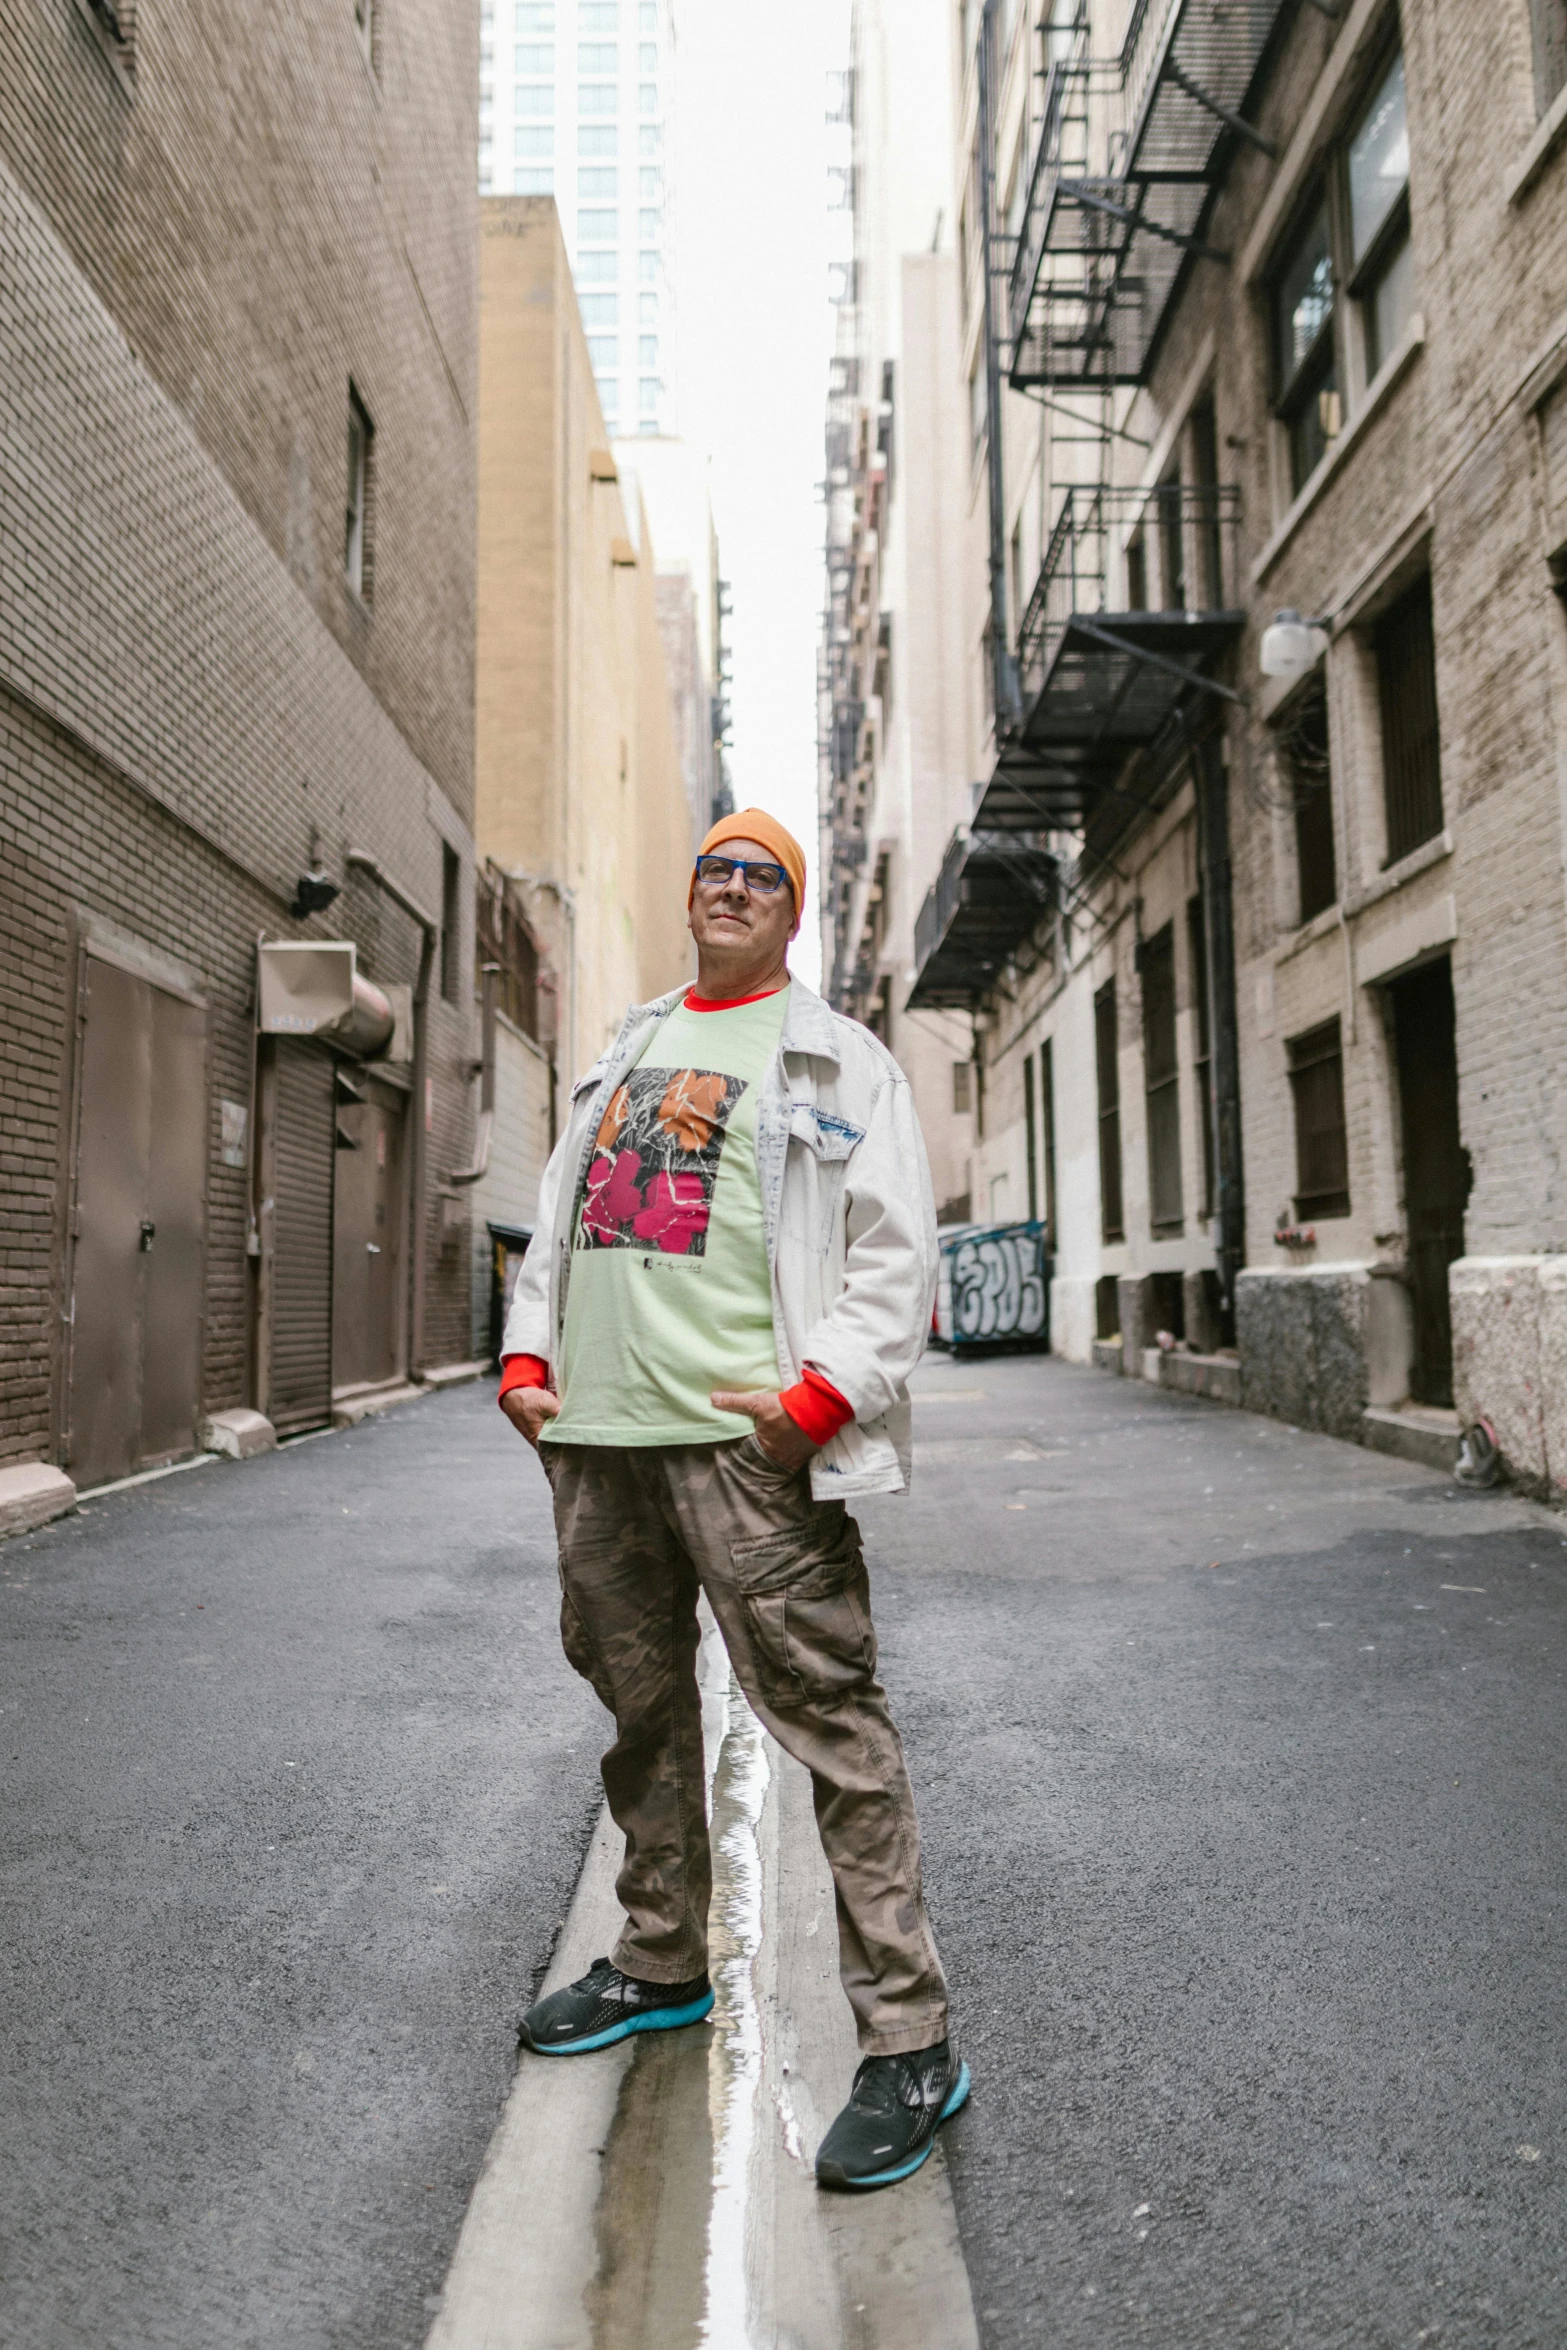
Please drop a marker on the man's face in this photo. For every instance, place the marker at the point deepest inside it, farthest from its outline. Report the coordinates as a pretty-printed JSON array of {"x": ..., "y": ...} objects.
[{"x": 737, "y": 917}]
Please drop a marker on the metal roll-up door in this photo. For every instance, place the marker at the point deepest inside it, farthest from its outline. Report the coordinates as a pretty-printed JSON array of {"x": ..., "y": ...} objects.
[{"x": 300, "y": 1387}]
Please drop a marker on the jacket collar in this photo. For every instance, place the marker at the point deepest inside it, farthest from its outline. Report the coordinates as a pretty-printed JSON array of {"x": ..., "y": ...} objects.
[{"x": 809, "y": 1025}]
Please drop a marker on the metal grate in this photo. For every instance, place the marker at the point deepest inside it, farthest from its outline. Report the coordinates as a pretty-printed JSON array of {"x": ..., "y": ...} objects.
[
  {"x": 1161, "y": 1082},
  {"x": 991, "y": 894},
  {"x": 1316, "y": 1071},
  {"x": 1411, "y": 743},
  {"x": 1108, "y": 1069}
]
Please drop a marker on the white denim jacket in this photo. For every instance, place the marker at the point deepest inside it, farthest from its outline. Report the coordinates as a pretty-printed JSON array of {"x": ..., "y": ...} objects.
[{"x": 850, "y": 1220}]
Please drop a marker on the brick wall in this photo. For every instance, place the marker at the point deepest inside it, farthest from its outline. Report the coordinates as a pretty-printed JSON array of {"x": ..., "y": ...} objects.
[{"x": 194, "y": 260}]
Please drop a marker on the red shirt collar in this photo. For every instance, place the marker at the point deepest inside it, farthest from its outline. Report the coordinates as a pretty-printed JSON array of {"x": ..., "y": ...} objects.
[{"x": 705, "y": 1003}]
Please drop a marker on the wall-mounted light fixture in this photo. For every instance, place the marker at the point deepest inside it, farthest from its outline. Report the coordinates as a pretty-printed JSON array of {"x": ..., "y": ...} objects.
[{"x": 1292, "y": 646}]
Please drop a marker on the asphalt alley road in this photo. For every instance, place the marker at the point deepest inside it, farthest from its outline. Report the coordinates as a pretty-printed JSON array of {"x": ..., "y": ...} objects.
[
  {"x": 296, "y": 1785},
  {"x": 1241, "y": 1757}
]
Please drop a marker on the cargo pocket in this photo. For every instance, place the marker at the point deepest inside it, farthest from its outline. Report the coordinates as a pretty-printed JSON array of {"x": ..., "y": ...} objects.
[
  {"x": 581, "y": 1654},
  {"x": 806, "y": 1603}
]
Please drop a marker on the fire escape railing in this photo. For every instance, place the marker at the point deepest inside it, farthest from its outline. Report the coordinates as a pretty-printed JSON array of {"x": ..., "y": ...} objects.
[{"x": 1128, "y": 158}]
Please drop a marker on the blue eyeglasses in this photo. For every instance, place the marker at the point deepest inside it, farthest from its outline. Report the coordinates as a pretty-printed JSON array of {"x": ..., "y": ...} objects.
[{"x": 765, "y": 881}]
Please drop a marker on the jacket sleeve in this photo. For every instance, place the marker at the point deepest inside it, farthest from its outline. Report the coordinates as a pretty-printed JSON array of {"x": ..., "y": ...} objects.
[
  {"x": 528, "y": 1323},
  {"x": 876, "y": 1330}
]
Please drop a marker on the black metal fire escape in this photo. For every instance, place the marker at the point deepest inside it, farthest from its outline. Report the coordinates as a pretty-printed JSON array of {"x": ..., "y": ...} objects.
[{"x": 1110, "y": 694}]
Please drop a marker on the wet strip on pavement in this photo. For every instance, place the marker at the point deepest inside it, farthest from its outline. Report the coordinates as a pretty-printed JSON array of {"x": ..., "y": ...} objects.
[{"x": 660, "y": 2195}]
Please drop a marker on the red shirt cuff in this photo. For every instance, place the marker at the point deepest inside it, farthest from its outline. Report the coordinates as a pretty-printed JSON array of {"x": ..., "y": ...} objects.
[
  {"x": 522, "y": 1371},
  {"x": 816, "y": 1407}
]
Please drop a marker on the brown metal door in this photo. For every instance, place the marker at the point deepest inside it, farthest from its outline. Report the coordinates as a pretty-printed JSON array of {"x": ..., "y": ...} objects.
[
  {"x": 367, "y": 1283},
  {"x": 137, "y": 1265},
  {"x": 172, "y": 1265},
  {"x": 1436, "y": 1165},
  {"x": 300, "y": 1384},
  {"x": 112, "y": 1154}
]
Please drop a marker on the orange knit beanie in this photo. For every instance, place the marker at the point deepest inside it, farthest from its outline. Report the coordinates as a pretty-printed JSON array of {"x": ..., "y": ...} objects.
[{"x": 755, "y": 824}]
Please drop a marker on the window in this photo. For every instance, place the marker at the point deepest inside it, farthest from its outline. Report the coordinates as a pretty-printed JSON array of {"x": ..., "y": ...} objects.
[
  {"x": 598, "y": 16},
  {"x": 533, "y": 141},
  {"x": 647, "y": 393},
  {"x": 1107, "y": 1064},
  {"x": 976, "y": 409},
  {"x": 649, "y": 138},
  {"x": 597, "y": 98},
  {"x": 451, "y": 940},
  {"x": 647, "y": 226},
  {"x": 647, "y": 97},
  {"x": 534, "y": 98},
  {"x": 357, "y": 540},
  {"x": 1161, "y": 1082},
  {"x": 595, "y": 57},
  {"x": 1305, "y": 363},
  {"x": 1205, "y": 480},
  {"x": 1172, "y": 543},
  {"x": 597, "y": 269},
  {"x": 647, "y": 16},
  {"x": 1030, "y": 1137},
  {"x": 598, "y": 180},
  {"x": 647, "y": 351},
  {"x": 1411, "y": 744},
  {"x": 962, "y": 1088},
  {"x": 1316, "y": 1069},
  {"x": 534, "y": 57},
  {"x": 598, "y": 309},
  {"x": 533, "y": 179},
  {"x": 1550, "y": 51},
  {"x": 597, "y": 228},
  {"x": 1137, "y": 572},
  {"x": 647, "y": 268},
  {"x": 1303, "y": 754},
  {"x": 1047, "y": 1126},
  {"x": 597, "y": 138},
  {"x": 1381, "y": 257},
  {"x": 647, "y": 57},
  {"x": 647, "y": 309},
  {"x": 603, "y": 351},
  {"x": 1202, "y": 1057},
  {"x": 650, "y": 184},
  {"x": 502, "y": 935},
  {"x": 535, "y": 16},
  {"x": 609, "y": 398}
]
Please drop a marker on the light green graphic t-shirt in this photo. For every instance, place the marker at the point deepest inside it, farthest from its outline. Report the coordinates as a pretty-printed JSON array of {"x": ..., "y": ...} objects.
[{"x": 669, "y": 1294}]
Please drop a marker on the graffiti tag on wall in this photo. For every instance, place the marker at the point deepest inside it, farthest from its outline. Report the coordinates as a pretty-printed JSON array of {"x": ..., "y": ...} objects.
[{"x": 997, "y": 1285}]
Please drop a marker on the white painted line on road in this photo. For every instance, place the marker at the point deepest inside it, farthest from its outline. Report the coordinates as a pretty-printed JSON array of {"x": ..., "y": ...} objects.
[{"x": 661, "y": 2196}]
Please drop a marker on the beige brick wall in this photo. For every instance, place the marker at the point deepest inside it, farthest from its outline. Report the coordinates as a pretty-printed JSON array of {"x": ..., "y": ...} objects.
[{"x": 579, "y": 774}]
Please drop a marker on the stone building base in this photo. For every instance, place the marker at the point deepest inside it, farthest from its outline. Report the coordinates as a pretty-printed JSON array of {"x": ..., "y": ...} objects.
[
  {"x": 1321, "y": 1344},
  {"x": 1510, "y": 1362}
]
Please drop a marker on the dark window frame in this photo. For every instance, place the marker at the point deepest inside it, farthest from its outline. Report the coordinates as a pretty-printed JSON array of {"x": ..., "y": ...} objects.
[
  {"x": 1202, "y": 1044},
  {"x": 451, "y": 923},
  {"x": 1548, "y": 40},
  {"x": 1316, "y": 1075},
  {"x": 1162, "y": 1085},
  {"x": 1047, "y": 1123},
  {"x": 1107, "y": 1069},
  {"x": 1403, "y": 643},
  {"x": 359, "y": 500},
  {"x": 1303, "y": 738}
]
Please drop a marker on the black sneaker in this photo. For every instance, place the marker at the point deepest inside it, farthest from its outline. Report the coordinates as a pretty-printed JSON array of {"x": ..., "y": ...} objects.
[
  {"x": 606, "y": 2006},
  {"x": 889, "y": 2125}
]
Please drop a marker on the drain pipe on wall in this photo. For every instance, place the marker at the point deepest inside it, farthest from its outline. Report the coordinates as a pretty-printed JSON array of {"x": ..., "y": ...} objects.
[{"x": 419, "y": 1178}]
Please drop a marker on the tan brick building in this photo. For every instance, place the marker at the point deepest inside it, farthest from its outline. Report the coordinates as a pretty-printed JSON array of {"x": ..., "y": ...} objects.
[
  {"x": 583, "y": 821},
  {"x": 1276, "y": 325},
  {"x": 237, "y": 398}
]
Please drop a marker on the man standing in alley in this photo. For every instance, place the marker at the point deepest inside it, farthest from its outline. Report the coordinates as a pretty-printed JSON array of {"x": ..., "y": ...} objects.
[{"x": 709, "y": 1346}]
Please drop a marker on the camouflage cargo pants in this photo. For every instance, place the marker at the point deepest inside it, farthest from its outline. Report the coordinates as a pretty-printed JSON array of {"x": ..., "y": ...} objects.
[{"x": 642, "y": 1532}]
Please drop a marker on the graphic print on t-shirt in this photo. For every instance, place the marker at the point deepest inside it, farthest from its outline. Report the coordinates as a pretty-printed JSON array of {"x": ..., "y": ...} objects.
[{"x": 655, "y": 1161}]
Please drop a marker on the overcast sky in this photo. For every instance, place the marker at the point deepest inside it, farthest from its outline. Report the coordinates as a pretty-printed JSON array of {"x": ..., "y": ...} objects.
[{"x": 755, "y": 330}]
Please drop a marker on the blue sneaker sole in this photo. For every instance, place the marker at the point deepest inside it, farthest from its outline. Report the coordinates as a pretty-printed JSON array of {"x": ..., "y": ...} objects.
[
  {"x": 957, "y": 2099},
  {"x": 658, "y": 2019}
]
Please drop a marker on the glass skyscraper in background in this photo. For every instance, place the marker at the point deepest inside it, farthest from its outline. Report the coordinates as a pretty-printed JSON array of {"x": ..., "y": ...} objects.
[{"x": 575, "y": 102}]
